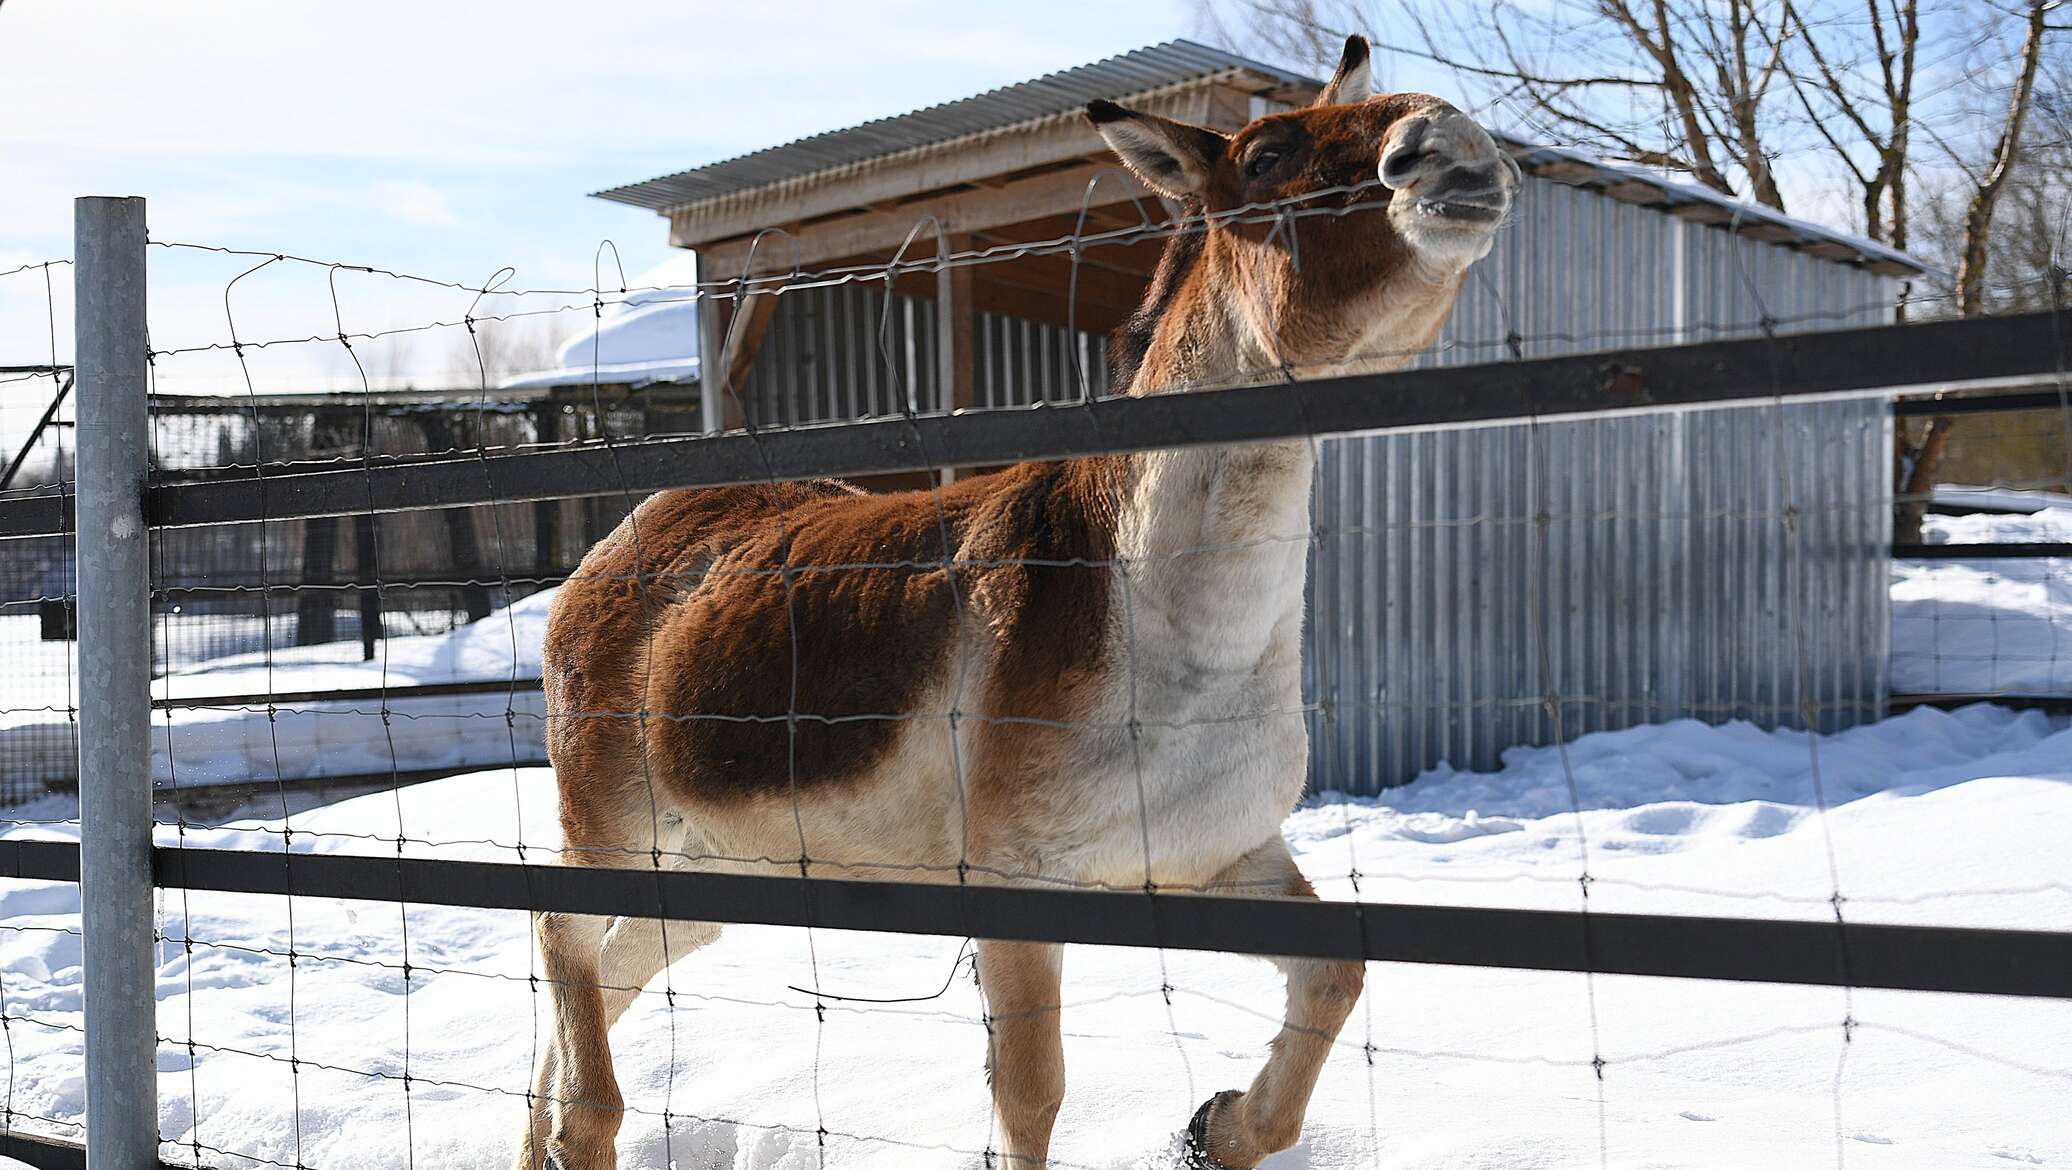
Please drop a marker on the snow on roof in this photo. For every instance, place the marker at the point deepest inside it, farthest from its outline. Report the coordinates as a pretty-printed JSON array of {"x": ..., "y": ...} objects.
[
  {"x": 1063, "y": 92},
  {"x": 652, "y": 336},
  {"x": 1179, "y": 62},
  {"x": 1653, "y": 189}
]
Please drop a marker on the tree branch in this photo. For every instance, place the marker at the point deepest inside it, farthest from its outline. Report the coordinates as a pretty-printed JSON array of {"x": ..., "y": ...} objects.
[{"x": 1978, "y": 219}]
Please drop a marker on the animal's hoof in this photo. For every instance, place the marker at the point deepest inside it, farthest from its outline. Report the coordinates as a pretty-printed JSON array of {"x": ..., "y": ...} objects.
[{"x": 1196, "y": 1156}]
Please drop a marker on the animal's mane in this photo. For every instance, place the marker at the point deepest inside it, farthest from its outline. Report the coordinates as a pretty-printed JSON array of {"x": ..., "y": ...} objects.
[{"x": 1129, "y": 344}]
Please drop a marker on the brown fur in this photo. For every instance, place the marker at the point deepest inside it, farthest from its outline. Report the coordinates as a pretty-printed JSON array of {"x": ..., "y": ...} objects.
[
  {"x": 742, "y": 594},
  {"x": 942, "y": 679}
]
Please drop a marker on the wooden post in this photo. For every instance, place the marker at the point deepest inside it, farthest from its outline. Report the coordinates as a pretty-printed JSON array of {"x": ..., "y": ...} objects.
[
  {"x": 316, "y": 621},
  {"x": 364, "y": 563},
  {"x": 744, "y": 339},
  {"x": 718, "y": 410},
  {"x": 316, "y": 607},
  {"x": 956, "y": 336},
  {"x": 463, "y": 551},
  {"x": 546, "y": 514}
]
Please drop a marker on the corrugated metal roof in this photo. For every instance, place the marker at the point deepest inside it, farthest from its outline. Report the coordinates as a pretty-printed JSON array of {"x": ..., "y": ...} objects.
[
  {"x": 1677, "y": 197},
  {"x": 1171, "y": 63},
  {"x": 1176, "y": 63}
]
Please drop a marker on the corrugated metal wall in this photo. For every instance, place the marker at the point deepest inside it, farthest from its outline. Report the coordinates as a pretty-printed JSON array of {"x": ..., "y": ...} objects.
[
  {"x": 834, "y": 353},
  {"x": 1648, "y": 556},
  {"x": 1640, "y": 568}
]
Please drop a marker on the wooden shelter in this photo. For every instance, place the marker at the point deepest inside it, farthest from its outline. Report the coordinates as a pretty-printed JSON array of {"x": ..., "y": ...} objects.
[
  {"x": 1015, "y": 166},
  {"x": 1659, "y": 578}
]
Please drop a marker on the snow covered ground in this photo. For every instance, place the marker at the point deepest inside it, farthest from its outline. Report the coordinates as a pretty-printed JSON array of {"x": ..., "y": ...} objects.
[
  {"x": 1985, "y": 627},
  {"x": 1958, "y": 818},
  {"x": 1955, "y": 818},
  {"x": 238, "y": 742}
]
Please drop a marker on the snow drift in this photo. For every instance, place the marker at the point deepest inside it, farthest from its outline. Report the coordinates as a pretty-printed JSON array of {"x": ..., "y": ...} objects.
[{"x": 1952, "y": 818}]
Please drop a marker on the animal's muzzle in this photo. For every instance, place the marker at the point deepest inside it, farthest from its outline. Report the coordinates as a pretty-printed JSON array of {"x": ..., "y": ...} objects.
[
  {"x": 1449, "y": 167},
  {"x": 1478, "y": 187}
]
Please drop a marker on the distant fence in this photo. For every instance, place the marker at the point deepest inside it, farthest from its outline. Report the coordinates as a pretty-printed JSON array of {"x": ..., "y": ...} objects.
[
  {"x": 121, "y": 866},
  {"x": 227, "y": 593},
  {"x": 2022, "y": 439}
]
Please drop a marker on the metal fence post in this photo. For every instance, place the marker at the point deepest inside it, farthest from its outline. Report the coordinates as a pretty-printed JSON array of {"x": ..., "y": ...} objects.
[{"x": 114, "y": 685}]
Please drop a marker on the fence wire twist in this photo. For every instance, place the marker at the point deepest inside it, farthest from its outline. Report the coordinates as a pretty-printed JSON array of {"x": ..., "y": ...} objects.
[{"x": 669, "y": 843}]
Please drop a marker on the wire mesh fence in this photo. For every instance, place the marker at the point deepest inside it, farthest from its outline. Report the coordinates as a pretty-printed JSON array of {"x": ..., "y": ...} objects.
[
  {"x": 39, "y": 722},
  {"x": 1982, "y": 555},
  {"x": 1138, "y": 690}
]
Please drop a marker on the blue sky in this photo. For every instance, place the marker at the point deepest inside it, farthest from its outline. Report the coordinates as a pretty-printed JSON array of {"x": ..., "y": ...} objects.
[{"x": 446, "y": 139}]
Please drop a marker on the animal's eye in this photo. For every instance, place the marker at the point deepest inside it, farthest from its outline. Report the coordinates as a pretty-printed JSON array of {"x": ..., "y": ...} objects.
[{"x": 1261, "y": 163}]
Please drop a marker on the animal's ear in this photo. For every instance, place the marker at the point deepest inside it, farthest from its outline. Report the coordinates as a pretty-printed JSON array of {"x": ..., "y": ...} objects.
[
  {"x": 1173, "y": 158},
  {"x": 1354, "y": 81}
]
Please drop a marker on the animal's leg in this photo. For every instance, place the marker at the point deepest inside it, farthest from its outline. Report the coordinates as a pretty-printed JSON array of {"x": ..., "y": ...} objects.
[
  {"x": 1026, "y": 1060},
  {"x": 634, "y": 953},
  {"x": 574, "y": 1111},
  {"x": 1236, "y": 1129},
  {"x": 532, "y": 1148},
  {"x": 594, "y": 968}
]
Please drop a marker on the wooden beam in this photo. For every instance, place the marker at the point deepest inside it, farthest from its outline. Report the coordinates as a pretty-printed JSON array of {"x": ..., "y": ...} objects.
[
  {"x": 744, "y": 338},
  {"x": 716, "y": 412},
  {"x": 1047, "y": 305},
  {"x": 1056, "y": 193},
  {"x": 1211, "y": 101},
  {"x": 956, "y": 332},
  {"x": 956, "y": 336},
  {"x": 1036, "y": 288},
  {"x": 1134, "y": 265}
]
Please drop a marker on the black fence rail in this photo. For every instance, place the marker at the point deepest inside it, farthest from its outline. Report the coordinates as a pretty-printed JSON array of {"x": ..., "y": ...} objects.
[
  {"x": 1811, "y": 366},
  {"x": 1982, "y": 551},
  {"x": 1777, "y": 369},
  {"x": 1905, "y": 958},
  {"x": 1864, "y": 361}
]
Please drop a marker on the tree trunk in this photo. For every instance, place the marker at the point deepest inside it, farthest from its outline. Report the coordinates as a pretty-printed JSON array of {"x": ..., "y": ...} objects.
[
  {"x": 1912, "y": 510},
  {"x": 1978, "y": 218},
  {"x": 1971, "y": 269}
]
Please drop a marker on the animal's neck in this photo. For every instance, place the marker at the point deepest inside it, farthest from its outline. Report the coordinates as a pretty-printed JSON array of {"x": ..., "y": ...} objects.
[{"x": 1215, "y": 537}]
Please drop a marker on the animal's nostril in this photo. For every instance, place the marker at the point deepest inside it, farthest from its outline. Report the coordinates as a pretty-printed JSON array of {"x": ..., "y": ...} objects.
[
  {"x": 1406, "y": 154},
  {"x": 1397, "y": 168}
]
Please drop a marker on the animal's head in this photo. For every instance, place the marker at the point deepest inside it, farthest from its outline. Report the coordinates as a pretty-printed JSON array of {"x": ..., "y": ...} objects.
[{"x": 1336, "y": 231}]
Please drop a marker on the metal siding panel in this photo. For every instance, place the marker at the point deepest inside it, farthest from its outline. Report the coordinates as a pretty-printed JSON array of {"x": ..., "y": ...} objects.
[{"x": 1660, "y": 577}]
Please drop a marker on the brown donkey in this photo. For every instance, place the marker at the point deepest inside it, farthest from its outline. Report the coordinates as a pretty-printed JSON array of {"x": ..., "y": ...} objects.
[{"x": 1103, "y": 686}]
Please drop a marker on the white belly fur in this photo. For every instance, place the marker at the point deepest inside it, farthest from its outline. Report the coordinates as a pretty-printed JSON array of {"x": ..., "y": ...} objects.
[
  {"x": 1208, "y": 665},
  {"x": 1204, "y": 661}
]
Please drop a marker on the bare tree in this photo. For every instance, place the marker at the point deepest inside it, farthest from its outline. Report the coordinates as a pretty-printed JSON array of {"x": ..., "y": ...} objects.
[
  {"x": 2025, "y": 245},
  {"x": 1759, "y": 99},
  {"x": 1988, "y": 187},
  {"x": 1300, "y": 32},
  {"x": 1880, "y": 123},
  {"x": 2007, "y": 224}
]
